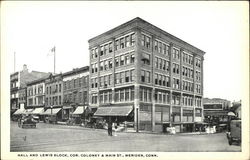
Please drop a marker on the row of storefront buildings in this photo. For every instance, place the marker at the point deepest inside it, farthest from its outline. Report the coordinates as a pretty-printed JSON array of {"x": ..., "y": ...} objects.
[{"x": 137, "y": 72}]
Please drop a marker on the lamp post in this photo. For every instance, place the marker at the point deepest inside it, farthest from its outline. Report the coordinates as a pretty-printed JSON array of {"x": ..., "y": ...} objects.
[{"x": 51, "y": 113}]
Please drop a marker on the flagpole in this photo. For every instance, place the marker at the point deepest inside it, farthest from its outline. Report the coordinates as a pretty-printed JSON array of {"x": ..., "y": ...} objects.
[
  {"x": 54, "y": 59},
  {"x": 14, "y": 62}
]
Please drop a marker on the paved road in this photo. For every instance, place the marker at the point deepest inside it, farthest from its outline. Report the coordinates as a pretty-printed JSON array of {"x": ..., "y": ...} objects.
[{"x": 60, "y": 138}]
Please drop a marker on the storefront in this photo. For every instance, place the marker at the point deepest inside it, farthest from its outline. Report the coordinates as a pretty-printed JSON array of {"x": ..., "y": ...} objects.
[
  {"x": 80, "y": 114},
  {"x": 118, "y": 114}
]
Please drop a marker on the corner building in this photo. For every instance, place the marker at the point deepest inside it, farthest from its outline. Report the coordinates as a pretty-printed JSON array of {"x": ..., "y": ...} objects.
[{"x": 137, "y": 64}]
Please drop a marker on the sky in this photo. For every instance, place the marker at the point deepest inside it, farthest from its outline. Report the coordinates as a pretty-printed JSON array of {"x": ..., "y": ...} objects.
[{"x": 31, "y": 29}]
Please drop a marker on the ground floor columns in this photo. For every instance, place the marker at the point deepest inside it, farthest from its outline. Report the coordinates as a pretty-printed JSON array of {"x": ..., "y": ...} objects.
[
  {"x": 181, "y": 114},
  {"x": 171, "y": 110},
  {"x": 153, "y": 110},
  {"x": 136, "y": 109}
]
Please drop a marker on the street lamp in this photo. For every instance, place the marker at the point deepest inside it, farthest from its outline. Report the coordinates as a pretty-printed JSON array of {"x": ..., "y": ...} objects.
[{"x": 51, "y": 113}]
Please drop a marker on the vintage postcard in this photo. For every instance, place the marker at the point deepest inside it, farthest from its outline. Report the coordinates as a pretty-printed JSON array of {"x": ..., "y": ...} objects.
[{"x": 124, "y": 80}]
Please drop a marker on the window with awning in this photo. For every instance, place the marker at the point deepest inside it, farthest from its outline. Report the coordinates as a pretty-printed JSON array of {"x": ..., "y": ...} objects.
[{"x": 114, "y": 111}]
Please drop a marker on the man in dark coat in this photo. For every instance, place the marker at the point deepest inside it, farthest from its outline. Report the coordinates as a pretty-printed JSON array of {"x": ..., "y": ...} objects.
[{"x": 110, "y": 127}]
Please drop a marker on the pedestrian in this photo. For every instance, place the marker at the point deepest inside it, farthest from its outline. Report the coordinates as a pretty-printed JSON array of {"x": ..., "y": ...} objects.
[{"x": 110, "y": 127}]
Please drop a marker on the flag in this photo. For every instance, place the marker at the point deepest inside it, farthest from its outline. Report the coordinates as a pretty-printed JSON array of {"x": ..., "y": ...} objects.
[{"x": 53, "y": 49}]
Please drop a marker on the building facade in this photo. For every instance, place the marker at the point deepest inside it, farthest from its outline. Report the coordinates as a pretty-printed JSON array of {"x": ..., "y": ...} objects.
[
  {"x": 54, "y": 93},
  {"x": 137, "y": 64},
  {"x": 75, "y": 90},
  {"x": 36, "y": 93},
  {"x": 14, "y": 86},
  {"x": 18, "y": 87}
]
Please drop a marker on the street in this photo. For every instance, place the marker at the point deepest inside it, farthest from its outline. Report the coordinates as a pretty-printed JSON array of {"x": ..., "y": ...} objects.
[{"x": 61, "y": 138}]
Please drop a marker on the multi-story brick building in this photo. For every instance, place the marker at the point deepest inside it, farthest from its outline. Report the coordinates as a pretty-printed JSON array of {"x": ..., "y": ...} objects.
[
  {"x": 54, "y": 94},
  {"x": 137, "y": 65},
  {"x": 36, "y": 93},
  {"x": 18, "y": 87},
  {"x": 75, "y": 90}
]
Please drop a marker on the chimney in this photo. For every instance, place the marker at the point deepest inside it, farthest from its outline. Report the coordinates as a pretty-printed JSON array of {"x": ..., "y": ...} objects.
[{"x": 25, "y": 68}]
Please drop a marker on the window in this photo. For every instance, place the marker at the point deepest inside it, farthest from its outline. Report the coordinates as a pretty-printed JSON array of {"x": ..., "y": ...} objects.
[
  {"x": 164, "y": 80},
  {"x": 122, "y": 60},
  {"x": 96, "y": 67},
  {"x": 122, "y": 95},
  {"x": 117, "y": 78},
  {"x": 127, "y": 94},
  {"x": 116, "y": 44},
  {"x": 105, "y": 81},
  {"x": 156, "y": 78},
  {"x": 159, "y": 47},
  {"x": 110, "y": 63},
  {"x": 122, "y": 77},
  {"x": 106, "y": 49},
  {"x": 127, "y": 76},
  {"x": 160, "y": 63},
  {"x": 127, "y": 39},
  {"x": 106, "y": 65},
  {"x": 132, "y": 97},
  {"x": 147, "y": 76},
  {"x": 102, "y": 51},
  {"x": 141, "y": 94},
  {"x": 145, "y": 95},
  {"x": 156, "y": 45},
  {"x": 132, "y": 58},
  {"x": 101, "y": 66},
  {"x": 92, "y": 54},
  {"x": 122, "y": 43},
  {"x": 132, "y": 39},
  {"x": 96, "y": 82},
  {"x": 126, "y": 59},
  {"x": 145, "y": 58},
  {"x": 109, "y": 79},
  {"x": 143, "y": 76},
  {"x": 96, "y": 52},
  {"x": 110, "y": 47},
  {"x": 132, "y": 76},
  {"x": 92, "y": 68},
  {"x": 160, "y": 79},
  {"x": 116, "y": 62},
  {"x": 147, "y": 42},
  {"x": 143, "y": 40},
  {"x": 116, "y": 96},
  {"x": 156, "y": 62}
]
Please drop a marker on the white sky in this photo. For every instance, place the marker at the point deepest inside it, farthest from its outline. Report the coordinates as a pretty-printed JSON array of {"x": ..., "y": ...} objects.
[{"x": 220, "y": 29}]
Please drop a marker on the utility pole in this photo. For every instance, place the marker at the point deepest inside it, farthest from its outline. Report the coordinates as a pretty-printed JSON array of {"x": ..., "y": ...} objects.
[{"x": 14, "y": 62}]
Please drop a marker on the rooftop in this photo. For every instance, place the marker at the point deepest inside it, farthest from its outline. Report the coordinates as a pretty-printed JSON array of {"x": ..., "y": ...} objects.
[{"x": 138, "y": 20}]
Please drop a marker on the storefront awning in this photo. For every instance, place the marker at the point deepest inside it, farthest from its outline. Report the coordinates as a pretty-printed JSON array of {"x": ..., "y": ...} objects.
[
  {"x": 114, "y": 111},
  {"x": 48, "y": 111},
  {"x": 79, "y": 110},
  {"x": 19, "y": 111},
  {"x": 38, "y": 111}
]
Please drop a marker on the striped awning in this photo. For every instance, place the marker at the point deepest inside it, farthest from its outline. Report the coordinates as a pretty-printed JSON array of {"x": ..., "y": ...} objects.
[
  {"x": 53, "y": 112},
  {"x": 79, "y": 110},
  {"x": 19, "y": 111},
  {"x": 114, "y": 111},
  {"x": 38, "y": 111}
]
